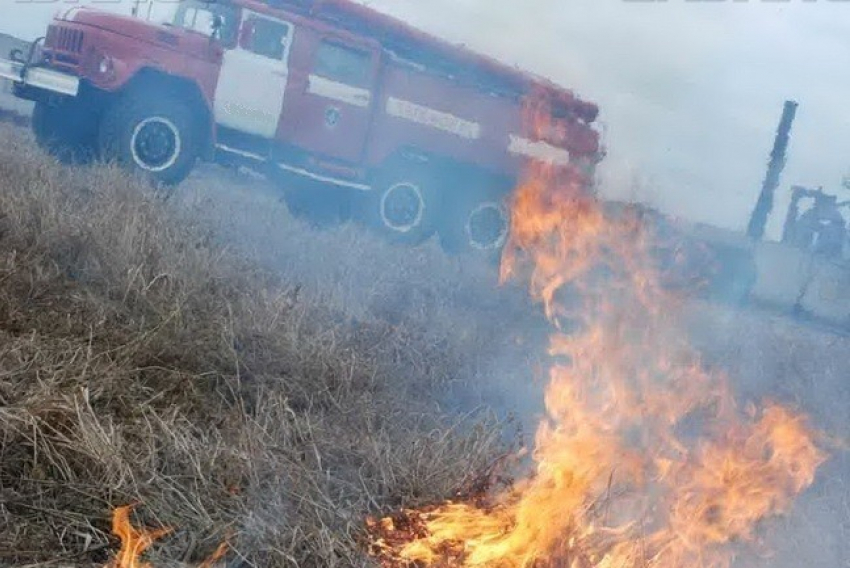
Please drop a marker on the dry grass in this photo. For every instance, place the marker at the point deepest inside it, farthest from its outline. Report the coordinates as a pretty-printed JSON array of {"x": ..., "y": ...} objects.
[
  {"x": 143, "y": 362},
  {"x": 438, "y": 308},
  {"x": 240, "y": 374}
]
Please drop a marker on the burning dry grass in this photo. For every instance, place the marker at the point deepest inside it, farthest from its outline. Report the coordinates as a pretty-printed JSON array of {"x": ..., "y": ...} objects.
[
  {"x": 644, "y": 458},
  {"x": 142, "y": 363}
]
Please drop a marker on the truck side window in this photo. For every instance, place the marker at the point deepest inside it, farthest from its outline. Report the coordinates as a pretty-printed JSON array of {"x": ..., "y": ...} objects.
[
  {"x": 265, "y": 37},
  {"x": 343, "y": 64},
  {"x": 199, "y": 17}
]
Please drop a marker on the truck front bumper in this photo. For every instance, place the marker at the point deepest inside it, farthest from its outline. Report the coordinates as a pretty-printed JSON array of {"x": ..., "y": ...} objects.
[{"x": 39, "y": 78}]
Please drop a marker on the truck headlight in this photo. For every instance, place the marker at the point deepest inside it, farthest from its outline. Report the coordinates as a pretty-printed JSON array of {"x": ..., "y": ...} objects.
[{"x": 105, "y": 66}]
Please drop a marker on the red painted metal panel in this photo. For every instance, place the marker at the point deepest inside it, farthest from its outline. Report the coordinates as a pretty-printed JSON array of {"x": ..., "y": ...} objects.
[
  {"x": 133, "y": 45},
  {"x": 497, "y": 116},
  {"x": 355, "y": 16},
  {"x": 468, "y": 117},
  {"x": 324, "y": 126}
]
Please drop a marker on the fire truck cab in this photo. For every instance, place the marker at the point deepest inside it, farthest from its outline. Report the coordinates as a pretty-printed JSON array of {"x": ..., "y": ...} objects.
[{"x": 360, "y": 113}]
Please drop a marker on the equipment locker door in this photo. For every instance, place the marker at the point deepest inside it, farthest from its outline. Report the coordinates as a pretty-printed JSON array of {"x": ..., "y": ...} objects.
[
  {"x": 329, "y": 112},
  {"x": 254, "y": 76}
]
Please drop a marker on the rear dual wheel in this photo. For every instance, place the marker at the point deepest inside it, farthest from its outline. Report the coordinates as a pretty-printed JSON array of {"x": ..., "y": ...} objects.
[
  {"x": 476, "y": 219},
  {"x": 410, "y": 202},
  {"x": 404, "y": 205},
  {"x": 476, "y": 224}
]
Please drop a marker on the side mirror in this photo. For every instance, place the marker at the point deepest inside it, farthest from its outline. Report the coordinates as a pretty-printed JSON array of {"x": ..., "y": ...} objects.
[{"x": 217, "y": 25}]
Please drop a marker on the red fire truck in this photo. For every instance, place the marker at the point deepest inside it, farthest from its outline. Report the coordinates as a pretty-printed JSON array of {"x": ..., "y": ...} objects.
[{"x": 407, "y": 133}]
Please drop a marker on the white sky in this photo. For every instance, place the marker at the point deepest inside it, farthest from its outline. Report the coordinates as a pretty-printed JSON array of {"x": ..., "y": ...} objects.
[{"x": 691, "y": 91}]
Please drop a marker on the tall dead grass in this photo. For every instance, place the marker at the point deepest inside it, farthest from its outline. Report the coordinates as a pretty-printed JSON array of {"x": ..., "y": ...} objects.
[{"x": 140, "y": 361}]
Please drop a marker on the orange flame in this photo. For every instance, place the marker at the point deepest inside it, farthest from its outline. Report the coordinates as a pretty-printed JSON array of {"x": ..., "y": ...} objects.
[
  {"x": 134, "y": 542},
  {"x": 643, "y": 457}
]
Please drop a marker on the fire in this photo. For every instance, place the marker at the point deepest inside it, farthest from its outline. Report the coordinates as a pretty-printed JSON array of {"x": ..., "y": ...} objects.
[
  {"x": 134, "y": 542},
  {"x": 643, "y": 458}
]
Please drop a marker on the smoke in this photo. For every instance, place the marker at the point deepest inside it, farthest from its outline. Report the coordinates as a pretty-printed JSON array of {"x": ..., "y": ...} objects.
[
  {"x": 690, "y": 91},
  {"x": 497, "y": 342},
  {"x": 690, "y": 94},
  {"x": 449, "y": 306},
  {"x": 769, "y": 357}
]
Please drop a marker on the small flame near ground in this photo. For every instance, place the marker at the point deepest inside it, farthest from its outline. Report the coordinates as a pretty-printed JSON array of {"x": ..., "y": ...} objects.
[
  {"x": 643, "y": 457},
  {"x": 135, "y": 541}
]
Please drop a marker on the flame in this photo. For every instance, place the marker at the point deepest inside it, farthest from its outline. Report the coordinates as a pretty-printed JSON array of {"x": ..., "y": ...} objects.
[
  {"x": 643, "y": 458},
  {"x": 134, "y": 542}
]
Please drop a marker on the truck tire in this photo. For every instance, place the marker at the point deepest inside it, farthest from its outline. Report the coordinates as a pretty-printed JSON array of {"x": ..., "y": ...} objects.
[
  {"x": 477, "y": 222},
  {"x": 66, "y": 130},
  {"x": 479, "y": 227},
  {"x": 404, "y": 204},
  {"x": 152, "y": 136}
]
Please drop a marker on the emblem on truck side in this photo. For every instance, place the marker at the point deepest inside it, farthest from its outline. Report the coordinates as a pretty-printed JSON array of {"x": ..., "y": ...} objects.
[{"x": 332, "y": 116}]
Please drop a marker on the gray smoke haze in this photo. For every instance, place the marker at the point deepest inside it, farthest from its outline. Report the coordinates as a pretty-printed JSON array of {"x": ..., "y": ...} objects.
[
  {"x": 690, "y": 94},
  {"x": 690, "y": 91}
]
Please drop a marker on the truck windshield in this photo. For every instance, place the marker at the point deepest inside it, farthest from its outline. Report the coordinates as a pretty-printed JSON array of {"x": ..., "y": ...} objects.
[{"x": 199, "y": 16}]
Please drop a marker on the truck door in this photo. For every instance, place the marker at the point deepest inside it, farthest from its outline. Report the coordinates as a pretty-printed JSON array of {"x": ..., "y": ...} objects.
[
  {"x": 253, "y": 78},
  {"x": 330, "y": 110}
]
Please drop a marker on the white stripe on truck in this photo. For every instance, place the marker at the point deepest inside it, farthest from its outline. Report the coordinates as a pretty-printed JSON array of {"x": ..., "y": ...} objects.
[
  {"x": 538, "y": 150},
  {"x": 337, "y": 91},
  {"x": 434, "y": 118}
]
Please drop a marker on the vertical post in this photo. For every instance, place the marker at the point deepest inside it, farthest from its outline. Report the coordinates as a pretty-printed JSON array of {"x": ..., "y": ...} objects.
[
  {"x": 758, "y": 220},
  {"x": 790, "y": 226}
]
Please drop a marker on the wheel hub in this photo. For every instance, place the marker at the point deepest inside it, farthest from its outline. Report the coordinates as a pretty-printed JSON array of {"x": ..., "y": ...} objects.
[
  {"x": 155, "y": 144},
  {"x": 402, "y": 207},
  {"x": 487, "y": 226}
]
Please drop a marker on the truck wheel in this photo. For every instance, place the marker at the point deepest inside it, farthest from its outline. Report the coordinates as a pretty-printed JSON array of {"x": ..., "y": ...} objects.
[
  {"x": 403, "y": 205},
  {"x": 478, "y": 224},
  {"x": 66, "y": 130},
  {"x": 153, "y": 136}
]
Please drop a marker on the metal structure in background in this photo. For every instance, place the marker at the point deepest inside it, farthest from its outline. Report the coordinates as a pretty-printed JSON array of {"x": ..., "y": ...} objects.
[
  {"x": 134, "y": 11},
  {"x": 821, "y": 229},
  {"x": 758, "y": 220}
]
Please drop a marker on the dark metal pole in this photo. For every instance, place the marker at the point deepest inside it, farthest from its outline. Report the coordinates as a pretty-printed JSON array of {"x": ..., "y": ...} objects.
[
  {"x": 790, "y": 226},
  {"x": 764, "y": 206}
]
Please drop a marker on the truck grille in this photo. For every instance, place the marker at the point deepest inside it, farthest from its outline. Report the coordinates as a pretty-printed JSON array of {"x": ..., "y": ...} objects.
[{"x": 64, "y": 39}]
